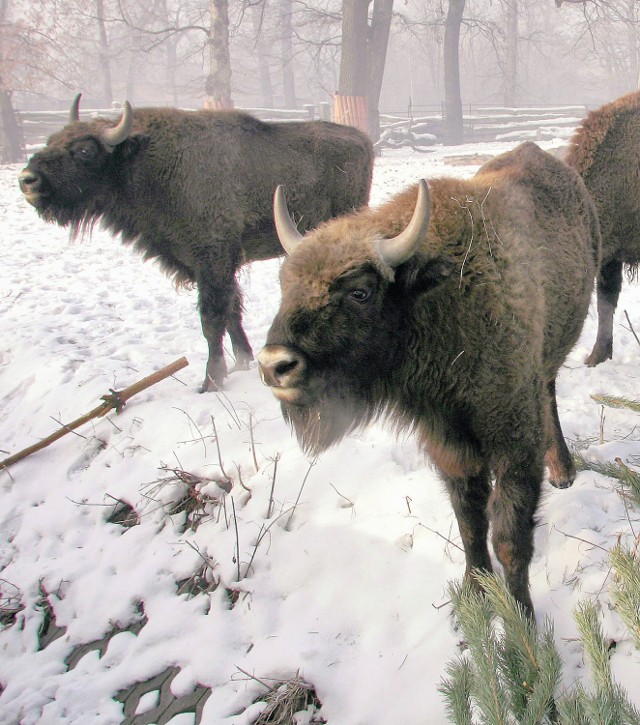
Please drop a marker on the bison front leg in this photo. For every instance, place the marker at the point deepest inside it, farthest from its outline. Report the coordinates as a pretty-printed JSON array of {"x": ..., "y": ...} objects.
[
  {"x": 469, "y": 497},
  {"x": 512, "y": 508},
  {"x": 609, "y": 286}
]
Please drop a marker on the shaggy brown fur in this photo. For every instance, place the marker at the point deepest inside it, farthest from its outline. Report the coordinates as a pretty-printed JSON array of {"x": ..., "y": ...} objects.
[
  {"x": 461, "y": 343},
  {"x": 605, "y": 150},
  {"x": 194, "y": 190}
]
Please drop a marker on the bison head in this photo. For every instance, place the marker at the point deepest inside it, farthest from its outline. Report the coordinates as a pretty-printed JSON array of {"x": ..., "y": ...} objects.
[
  {"x": 63, "y": 180},
  {"x": 340, "y": 335}
]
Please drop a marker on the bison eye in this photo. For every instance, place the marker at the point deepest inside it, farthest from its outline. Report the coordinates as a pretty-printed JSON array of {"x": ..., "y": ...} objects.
[
  {"x": 361, "y": 294},
  {"x": 85, "y": 152}
]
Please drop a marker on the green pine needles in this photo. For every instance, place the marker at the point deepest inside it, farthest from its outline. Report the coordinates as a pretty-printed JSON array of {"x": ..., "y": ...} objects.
[
  {"x": 511, "y": 670},
  {"x": 629, "y": 478},
  {"x": 613, "y": 401},
  {"x": 626, "y": 589}
]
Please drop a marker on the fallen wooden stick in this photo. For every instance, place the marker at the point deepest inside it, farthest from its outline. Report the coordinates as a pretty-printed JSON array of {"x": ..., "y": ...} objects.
[{"x": 115, "y": 399}]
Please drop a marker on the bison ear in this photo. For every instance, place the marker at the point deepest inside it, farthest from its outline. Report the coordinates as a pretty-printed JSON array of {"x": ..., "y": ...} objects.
[
  {"x": 131, "y": 146},
  {"x": 421, "y": 275}
]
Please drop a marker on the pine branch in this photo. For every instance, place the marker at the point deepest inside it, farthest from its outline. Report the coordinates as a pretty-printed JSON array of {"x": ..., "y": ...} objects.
[
  {"x": 609, "y": 703},
  {"x": 625, "y": 590},
  {"x": 456, "y": 691},
  {"x": 612, "y": 401}
]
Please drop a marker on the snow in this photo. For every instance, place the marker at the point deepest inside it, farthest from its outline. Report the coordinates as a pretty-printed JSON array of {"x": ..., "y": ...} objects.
[{"x": 343, "y": 561}]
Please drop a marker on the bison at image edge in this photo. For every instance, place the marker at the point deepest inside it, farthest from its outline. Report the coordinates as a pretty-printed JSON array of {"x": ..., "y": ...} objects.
[
  {"x": 450, "y": 309},
  {"x": 604, "y": 152},
  {"x": 194, "y": 189}
]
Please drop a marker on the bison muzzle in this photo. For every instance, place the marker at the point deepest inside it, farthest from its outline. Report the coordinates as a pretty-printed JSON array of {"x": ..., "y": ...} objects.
[{"x": 450, "y": 309}]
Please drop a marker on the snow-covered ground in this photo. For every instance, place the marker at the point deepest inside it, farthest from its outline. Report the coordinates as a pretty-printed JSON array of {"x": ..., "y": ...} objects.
[{"x": 343, "y": 565}]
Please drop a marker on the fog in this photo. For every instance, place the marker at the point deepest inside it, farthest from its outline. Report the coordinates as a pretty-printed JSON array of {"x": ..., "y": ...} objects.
[{"x": 157, "y": 52}]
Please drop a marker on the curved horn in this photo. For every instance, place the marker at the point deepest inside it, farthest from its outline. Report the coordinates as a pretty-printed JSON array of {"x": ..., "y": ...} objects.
[
  {"x": 401, "y": 248},
  {"x": 74, "y": 113},
  {"x": 116, "y": 135},
  {"x": 287, "y": 231}
]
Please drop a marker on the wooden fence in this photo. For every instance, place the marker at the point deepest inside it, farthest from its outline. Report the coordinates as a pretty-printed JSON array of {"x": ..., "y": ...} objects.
[
  {"x": 422, "y": 128},
  {"x": 481, "y": 123},
  {"x": 37, "y": 126}
]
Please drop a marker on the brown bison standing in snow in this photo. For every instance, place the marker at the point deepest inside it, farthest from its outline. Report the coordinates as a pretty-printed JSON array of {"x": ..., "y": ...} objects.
[
  {"x": 194, "y": 189},
  {"x": 605, "y": 151},
  {"x": 452, "y": 320}
]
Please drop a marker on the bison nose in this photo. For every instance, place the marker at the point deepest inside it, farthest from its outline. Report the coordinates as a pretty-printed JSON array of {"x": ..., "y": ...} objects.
[
  {"x": 29, "y": 181},
  {"x": 280, "y": 367}
]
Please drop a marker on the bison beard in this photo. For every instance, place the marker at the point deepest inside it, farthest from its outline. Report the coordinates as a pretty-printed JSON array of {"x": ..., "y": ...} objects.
[{"x": 328, "y": 417}]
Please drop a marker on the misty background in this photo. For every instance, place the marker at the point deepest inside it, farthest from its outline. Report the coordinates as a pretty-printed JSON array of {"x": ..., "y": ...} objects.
[{"x": 286, "y": 53}]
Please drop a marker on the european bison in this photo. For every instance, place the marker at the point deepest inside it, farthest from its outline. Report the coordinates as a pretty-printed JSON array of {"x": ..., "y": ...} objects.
[
  {"x": 605, "y": 152},
  {"x": 194, "y": 189},
  {"x": 454, "y": 323}
]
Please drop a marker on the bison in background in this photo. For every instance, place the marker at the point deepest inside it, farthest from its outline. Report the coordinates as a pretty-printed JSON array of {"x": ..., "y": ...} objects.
[
  {"x": 454, "y": 322},
  {"x": 194, "y": 190},
  {"x": 605, "y": 151}
]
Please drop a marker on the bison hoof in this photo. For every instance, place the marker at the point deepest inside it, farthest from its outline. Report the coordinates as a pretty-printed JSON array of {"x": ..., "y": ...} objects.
[
  {"x": 211, "y": 385},
  {"x": 242, "y": 363},
  {"x": 599, "y": 355},
  {"x": 566, "y": 483}
]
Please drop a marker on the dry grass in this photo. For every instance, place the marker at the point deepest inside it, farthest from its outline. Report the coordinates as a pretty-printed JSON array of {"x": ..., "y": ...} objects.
[{"x": 290, "y": 703}]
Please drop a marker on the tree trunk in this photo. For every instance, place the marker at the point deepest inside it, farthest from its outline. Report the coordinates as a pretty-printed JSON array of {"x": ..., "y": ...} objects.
[
  {"x": 632, "y": 40},
  {"x": 262, "y": 56},
  {"x": 172, "y": 64},
  {"x": 353, "y": 55},
  {"x": 103, "y": 54},
  {"x": 362, "y": 62},
  {"x": 454, "y": 132},
  {"x": 377, "y": 56},
  {"x": 218, "y": 83},
  {"x": 510, "y": 97},
  {"x": 286, "y": 44},
  {"x": 10, "y": 136}
]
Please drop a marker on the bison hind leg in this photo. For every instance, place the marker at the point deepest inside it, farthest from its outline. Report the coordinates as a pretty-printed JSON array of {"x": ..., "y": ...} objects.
[
  {"x": 609, "y": 286},
  {"x": 220, "y": 303},
  {"x": 558, "y": 458},
  {"x": 241, "y": 348}
]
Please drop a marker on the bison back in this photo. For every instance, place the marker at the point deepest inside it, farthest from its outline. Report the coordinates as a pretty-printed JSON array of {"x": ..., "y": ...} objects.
[{"x": 560, "y": 241}]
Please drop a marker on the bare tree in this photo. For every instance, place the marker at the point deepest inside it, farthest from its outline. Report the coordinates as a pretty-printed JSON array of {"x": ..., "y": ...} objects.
[
  {"x": 285, "y": 15},
  {"x": 362, "y": 61},
  {"x": 10, "y": 146},
  {"x": 266, "y": 88},
  {"x": 218, "y": 84},
  {"x": 377, "y": 51},
  {"x": 103, "y": 54},
  {"x": 511, "y": 56},
  {"x": 452, "y": 96}
]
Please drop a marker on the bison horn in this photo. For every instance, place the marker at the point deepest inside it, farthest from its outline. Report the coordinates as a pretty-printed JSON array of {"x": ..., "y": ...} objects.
[
  {"x": 117, "y": 134},
  {"x": 287, "y": 231},
  {"x": 74, "y": 113},
  {"x": 401, "y": 248}
]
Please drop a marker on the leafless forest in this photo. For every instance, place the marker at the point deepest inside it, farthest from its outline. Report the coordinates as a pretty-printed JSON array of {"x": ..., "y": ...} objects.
[{"x": 404, "y": 56}]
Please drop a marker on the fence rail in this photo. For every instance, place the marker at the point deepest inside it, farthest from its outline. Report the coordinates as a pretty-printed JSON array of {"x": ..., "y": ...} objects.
[{"x": 481, "y": 123}]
